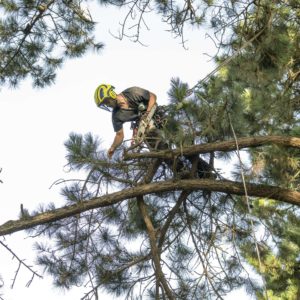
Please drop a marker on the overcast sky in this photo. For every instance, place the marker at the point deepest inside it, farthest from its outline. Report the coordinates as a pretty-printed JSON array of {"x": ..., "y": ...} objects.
[{"x": 34, "y": 124}]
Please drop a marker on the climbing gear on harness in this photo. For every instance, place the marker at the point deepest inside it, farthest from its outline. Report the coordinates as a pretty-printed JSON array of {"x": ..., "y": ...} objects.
[
  {"x": 151, "y": 133},
  {"x": 103, "y": 93},
  {"x": 142, "y": 107}
]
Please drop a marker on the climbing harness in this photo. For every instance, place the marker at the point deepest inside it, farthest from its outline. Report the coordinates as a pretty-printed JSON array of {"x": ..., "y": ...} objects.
[{"x": 145, "y": 128}]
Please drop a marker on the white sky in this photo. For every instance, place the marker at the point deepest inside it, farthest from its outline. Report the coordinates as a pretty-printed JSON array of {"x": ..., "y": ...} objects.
[{"x": 34, "y": 124}]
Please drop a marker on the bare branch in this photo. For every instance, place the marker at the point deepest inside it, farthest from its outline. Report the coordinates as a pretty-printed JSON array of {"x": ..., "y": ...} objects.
[{"x": 21, "y": 263}]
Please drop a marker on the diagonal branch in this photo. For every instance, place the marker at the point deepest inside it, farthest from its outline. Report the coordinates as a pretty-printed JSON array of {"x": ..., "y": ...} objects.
[
  {"x": 183, "y": 196},
  {"x": 160, "y": 277},
  {"x": 224, "y": 186}
]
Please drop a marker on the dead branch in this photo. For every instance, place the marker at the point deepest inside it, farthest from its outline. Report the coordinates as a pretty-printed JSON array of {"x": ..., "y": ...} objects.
[{"x": 21, "y": 263}]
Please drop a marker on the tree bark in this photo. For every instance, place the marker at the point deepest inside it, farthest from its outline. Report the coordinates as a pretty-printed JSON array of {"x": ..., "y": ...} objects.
[
  {"x": 246, "y": 142},
  {"x": 225, "y": 186}
]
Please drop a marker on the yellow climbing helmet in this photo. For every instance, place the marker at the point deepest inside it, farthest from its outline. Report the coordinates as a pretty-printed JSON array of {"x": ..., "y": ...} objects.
[{"x": 104, "y": 92}]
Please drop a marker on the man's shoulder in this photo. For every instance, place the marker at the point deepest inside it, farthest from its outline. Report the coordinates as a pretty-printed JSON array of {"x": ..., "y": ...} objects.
[{"x": 135, "y": 90}]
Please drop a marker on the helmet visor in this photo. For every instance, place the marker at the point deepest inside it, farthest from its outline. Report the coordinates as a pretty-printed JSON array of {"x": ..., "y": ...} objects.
[{"x": 109, "y": 104}]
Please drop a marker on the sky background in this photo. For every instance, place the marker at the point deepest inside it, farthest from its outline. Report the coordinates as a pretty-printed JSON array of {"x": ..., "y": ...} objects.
[{"x": 35, "y": 123}]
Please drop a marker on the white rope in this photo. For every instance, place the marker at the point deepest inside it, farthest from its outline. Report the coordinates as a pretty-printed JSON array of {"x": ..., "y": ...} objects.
[
  {"x": 249, "y": 206},
  {"x": 225, "y": 62},
  {"x": 189, "y": 92}
]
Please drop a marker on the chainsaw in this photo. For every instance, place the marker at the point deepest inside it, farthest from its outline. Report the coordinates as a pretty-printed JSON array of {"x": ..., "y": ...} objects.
[{"x": 145, "y": 124}]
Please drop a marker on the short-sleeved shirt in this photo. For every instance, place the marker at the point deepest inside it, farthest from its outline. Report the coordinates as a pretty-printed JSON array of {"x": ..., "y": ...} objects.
[{"x": 135, "y": 96}]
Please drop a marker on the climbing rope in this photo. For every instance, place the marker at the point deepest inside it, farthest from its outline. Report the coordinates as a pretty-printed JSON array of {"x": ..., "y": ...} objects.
[
  {"x": 192, "y": 90},
  {"x": 248, "y": 204},
  {"x": 224, "y": 63}
]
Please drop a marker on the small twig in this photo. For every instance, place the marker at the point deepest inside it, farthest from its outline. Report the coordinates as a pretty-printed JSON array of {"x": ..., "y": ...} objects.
[
  {"x": 16, "y": 274},
  {"x": 21, "y": 262}
]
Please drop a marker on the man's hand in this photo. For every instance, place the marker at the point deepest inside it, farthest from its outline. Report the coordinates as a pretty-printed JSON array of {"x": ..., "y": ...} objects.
[
  {"x": 117, "y": 142},
  {"x": 110, "y": 152}
]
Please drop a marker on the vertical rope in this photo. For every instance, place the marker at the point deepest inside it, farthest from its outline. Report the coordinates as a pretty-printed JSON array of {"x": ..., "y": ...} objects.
[
  {"x": 225, "y": 62},
  {"x": 248, "y": 205},
  {"x": 106, "y": 187}
]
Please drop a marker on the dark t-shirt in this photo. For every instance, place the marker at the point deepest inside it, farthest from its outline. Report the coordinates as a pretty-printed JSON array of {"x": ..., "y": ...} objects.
[{"x": 135, "y": 96}]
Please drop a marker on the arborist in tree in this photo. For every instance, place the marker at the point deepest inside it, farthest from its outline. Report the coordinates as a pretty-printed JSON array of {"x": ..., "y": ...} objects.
[{"x": 125, "y": 107}]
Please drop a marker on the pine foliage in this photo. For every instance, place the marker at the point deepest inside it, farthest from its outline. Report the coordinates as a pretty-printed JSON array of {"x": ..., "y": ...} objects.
[
  {"x": 204, "y": 240},
  {"x": 36, "y": 37},
  {"x": 194, "y": 244}
]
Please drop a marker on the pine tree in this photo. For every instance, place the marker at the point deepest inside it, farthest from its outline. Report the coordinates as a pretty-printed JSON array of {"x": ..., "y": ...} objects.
[{"x": 142, "y": 226}]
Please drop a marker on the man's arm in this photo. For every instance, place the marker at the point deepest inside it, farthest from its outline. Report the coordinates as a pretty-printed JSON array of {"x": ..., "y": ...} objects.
[
  {"x": 119, "y": 137},
  {"x": 152, "y": 101}
]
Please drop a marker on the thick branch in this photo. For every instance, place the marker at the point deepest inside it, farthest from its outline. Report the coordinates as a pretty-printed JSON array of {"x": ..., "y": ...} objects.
[
  {"x": 226, "y": 186},
  {"x": 246, "y": 142}
]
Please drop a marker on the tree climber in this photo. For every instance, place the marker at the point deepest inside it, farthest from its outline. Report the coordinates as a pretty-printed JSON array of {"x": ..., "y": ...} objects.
[{"x": 125, "y": 107}]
